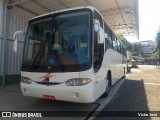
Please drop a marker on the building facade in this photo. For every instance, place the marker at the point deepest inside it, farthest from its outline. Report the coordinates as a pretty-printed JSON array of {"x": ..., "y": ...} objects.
[
  {"x": 11, "y": 20},
  {"x": 147, "y": 48}
]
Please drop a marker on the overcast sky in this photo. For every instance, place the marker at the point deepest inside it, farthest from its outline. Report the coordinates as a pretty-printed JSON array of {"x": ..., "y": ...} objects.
[{"x": 149, "y": 19}]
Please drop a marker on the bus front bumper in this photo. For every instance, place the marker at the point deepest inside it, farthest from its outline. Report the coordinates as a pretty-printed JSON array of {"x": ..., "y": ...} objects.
[{"x": 81, "y": 94}]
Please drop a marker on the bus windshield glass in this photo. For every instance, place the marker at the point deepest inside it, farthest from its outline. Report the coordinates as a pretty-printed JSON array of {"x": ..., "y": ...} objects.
[{"x": 58, "y": 43}]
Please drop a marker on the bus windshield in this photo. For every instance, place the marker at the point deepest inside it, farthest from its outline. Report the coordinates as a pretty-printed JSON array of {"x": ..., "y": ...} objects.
[{"x": 59, "y": 43}]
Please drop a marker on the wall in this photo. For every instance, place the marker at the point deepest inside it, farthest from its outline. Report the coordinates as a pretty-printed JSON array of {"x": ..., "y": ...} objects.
[
  {"x": 17, "y": 20},
  {"x": 1, "y": 18},
  {"x": 1, "y": 38}
]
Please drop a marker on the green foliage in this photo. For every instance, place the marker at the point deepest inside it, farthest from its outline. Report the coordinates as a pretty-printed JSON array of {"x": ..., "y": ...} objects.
[
  {"x": 158, "y": 44},
  {"x": 125, "y": 42},
  {"x": 135, "y": 53},
  {"x": 158, "y": 40},
  {"x": 154, "y": 55},
  {"x": 136, "y": 49}
]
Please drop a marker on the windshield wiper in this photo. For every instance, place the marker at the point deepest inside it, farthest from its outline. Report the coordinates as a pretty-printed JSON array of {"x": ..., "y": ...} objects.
[{"x": 38, "y": 57}]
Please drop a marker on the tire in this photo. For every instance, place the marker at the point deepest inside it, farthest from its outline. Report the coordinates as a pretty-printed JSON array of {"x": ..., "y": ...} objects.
[
  {"x": 124, "y": 73},
  {"x": 108, "y": 87}
]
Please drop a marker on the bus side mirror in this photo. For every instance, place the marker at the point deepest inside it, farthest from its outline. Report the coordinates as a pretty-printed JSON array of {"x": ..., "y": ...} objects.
[
  {"x": 128, "y": 61},
  {"x": 100, "y": 33},
  {"x": 16, "y": 40}
]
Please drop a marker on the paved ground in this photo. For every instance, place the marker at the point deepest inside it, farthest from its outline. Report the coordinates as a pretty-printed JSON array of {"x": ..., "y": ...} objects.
[
  {"x": 140, "y": 92},
  {"x": 11, "y": 100}
]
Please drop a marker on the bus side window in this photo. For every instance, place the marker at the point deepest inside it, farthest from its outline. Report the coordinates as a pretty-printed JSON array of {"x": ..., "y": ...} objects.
[
  {"x": 120, "y": 48},
  {"x": 118, "y": 45},
  {"x": 107, "y": 35},
  {"x": 114, "y": 44},
  {"x": 107, "y": 41},
  {"x": 125, "y": 54}
]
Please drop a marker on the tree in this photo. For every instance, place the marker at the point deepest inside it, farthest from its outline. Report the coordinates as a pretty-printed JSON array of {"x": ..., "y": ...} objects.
[
  {"x": 155, "y": 54},
  {"x": 136, "y": 49},
  {"x": 158, "y": 44},
  {"x": 125, "y": 42}
]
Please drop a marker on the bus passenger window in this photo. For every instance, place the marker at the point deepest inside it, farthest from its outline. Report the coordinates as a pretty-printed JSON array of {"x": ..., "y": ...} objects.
[
  {"x": 118, "y": 46},
  {"x": 114, "y": 44},
  {"x": 107, "y": 41}
]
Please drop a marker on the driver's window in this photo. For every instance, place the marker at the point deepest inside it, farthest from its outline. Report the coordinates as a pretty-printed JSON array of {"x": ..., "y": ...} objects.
[{"x": 98, "y": 48}]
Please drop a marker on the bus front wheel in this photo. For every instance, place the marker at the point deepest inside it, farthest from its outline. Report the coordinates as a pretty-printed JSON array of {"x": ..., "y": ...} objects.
[{"x": 108, "y": 87}]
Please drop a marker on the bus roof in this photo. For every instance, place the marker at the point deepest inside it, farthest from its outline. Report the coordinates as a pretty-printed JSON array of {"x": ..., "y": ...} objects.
[{"x": 68, "y": 9}]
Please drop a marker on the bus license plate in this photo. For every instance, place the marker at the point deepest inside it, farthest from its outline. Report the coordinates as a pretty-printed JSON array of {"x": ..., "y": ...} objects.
[{"x": 48, "y": 97}]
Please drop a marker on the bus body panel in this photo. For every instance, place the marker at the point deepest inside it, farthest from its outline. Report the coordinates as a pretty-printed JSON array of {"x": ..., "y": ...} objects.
[
  {"x": 91, "y": 91},
  {"x": 113, "y": 62},
  {"x": 60, "y": 92},
  {"x": 53, "y": 77},
  {"x": 99, "y": 84}
]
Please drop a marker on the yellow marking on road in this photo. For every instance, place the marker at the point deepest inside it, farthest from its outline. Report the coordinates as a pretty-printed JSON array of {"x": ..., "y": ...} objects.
[{"x": 151, "y": 83}]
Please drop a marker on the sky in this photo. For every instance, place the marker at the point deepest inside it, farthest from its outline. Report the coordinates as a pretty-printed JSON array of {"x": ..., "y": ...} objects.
[{"x": 149, "y": 20}]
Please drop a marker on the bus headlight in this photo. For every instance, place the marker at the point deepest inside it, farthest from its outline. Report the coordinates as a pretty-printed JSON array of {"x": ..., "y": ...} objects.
[
  {"x": 26, "y": 80},
  {"x": 78, "y": 81}
]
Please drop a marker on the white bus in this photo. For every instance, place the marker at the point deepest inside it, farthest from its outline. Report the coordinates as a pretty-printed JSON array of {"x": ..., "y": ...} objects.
[{"x": 71, "y": 55}]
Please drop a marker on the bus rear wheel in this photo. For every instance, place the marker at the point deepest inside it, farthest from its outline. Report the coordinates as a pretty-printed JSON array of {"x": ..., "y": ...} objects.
[{"x": 124, "y": 72}]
